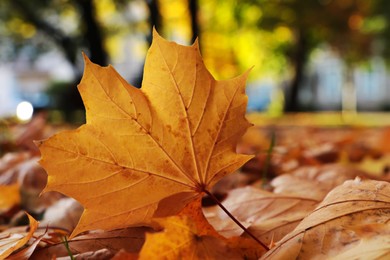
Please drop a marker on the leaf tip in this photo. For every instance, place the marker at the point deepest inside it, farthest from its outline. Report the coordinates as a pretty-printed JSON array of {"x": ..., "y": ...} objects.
[
  {"x": 86, "y": 59},
  {"x": 196, "y": 42},
  {"x": 31, "y": 219},
  {"x": 246, "y": 73},
  {"x": 155, "y": 33}
]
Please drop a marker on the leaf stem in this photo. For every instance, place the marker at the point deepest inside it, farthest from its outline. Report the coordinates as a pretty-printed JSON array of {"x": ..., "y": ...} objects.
[
  {"x": 235, "y": 220},
  {"x": 267, "y": 162},
  {"x": 67, "y": 248}
]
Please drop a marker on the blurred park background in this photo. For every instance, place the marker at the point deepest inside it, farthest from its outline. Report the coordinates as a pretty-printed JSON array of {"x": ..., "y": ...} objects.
[{"x": 318, "y": 55}]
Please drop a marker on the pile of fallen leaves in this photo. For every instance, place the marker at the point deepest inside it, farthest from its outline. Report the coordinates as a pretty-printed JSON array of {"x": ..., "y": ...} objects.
[{"x": 144, "y": 177}]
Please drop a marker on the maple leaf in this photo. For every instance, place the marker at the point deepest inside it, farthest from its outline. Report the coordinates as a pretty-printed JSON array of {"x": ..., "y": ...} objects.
[
  {"x": 175, "y": 136},
  {"x": 335, "y": 226}
]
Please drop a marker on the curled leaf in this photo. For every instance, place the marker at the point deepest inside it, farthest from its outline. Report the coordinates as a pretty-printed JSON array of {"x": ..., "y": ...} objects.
[
  {"x": 10, "y": 242},
  {"x": 331, "y": 229}
]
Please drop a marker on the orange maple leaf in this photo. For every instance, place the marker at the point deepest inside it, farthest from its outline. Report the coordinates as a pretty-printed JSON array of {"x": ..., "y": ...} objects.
[{"x": 177, "y": 136}]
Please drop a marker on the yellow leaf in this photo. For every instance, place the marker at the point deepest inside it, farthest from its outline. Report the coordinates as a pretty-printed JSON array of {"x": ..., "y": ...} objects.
[
  {"x": 176, "y": 136},
  {"x": 335, "y": 227},
  {"x": 10, "y": 242},
  {"x": 189, "y": 236},
  {"x": 180, "y": 240},
  {"x": 9, "y": 196}
]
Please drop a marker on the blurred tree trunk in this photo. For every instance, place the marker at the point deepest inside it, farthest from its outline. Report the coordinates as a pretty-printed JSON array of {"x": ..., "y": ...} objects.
[
  {"x": 66, "y": 43},
  {"x": 92, "y": 32},
  {"x": 155, "y": 18},
  {"x": 193, "y": 7},
  {"x": 90, "y": 37},
  {"x": 299, "y": 61}
]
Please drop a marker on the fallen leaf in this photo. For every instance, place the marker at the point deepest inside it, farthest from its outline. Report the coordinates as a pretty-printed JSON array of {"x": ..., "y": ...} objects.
[
  {"x": 123, "y": 255},
  {"x": 181, "y": 240},
  {"x": 322, "y": 153},
  {"x": 374, "y": 243},
  {"x": 177, "y": 135},
  {"x": 33, "y": 130},
  {"x": 26, "y": 253},
  {"x": 10, "y": 242},
  {"x": 31, "y": 178},
  {"x": 101, "y": 254},
  {"x": 9, "y": 197},
  {"x": 189, "y": 235},
  {"x": 130, "y": 239},
  {"x": 377, "y": 168},
  {"x": 64, "y": 214},
  {"x": 9, "y": 160},
  {"x": 314, "y": 181},
  {"x": 330, "y": 230},
  {"x": 268, "y": 216}
]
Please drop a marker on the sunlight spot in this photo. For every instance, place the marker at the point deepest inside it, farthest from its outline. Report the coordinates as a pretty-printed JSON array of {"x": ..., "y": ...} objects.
[{"x": 24, "y": 111}]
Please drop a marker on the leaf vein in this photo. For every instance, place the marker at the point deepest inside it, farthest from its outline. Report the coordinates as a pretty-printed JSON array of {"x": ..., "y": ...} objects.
[
  {"x": 195, "y": 163},
  {"x": 130, "y": 168},
  {"x": 136, "y": 121},
  {"x": 216, "y": 137}
]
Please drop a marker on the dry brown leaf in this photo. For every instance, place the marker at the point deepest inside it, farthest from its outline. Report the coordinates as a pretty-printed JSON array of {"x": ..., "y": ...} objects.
[
  {"x": 268, "y": 216},
  {"x": 26, "y": 253},
  {"x": 28, "y": 174},
  {"x": 376, "y": 168},
  {"x": 314, "y": 181},
  {"x": 10, "y": 160},
  {"x": 330, "y": 230},
  {"x": 130, "y": 239},
  {"x": 123, "y": 255},
  {"x": 254, "y": 140},
  {"x": 101, "y": 254},
  {"x": 374, "y": 243},
  {"x": 175, "y": 136},
  {"x": 31, "y": 178},
  {"x": 33, "y": 130},
  {"x": 10, "y": 242},
  {"x": 64, "y": 214}
]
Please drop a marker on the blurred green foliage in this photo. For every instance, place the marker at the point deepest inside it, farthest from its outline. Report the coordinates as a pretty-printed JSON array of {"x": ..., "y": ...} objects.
[{"x": 276, "y": 37}]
